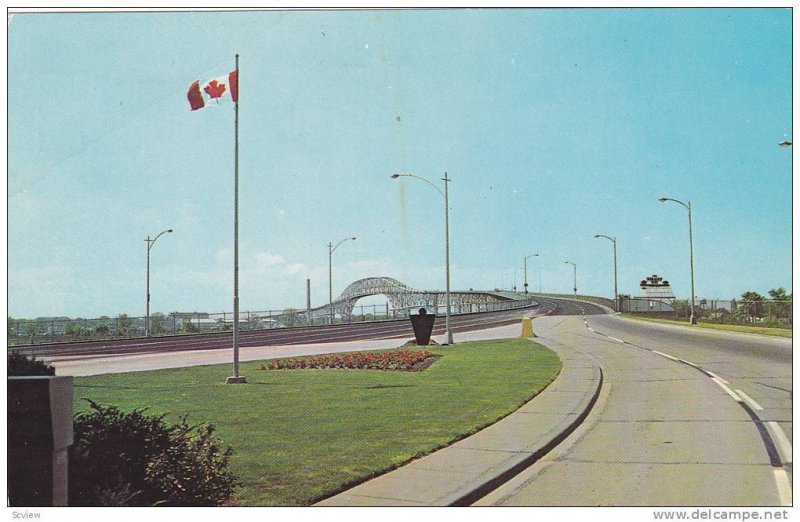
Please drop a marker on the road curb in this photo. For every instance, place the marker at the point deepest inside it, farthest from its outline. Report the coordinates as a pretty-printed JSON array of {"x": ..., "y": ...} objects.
[
  {"x": 465, "y": 471},
  {"x": 545, "y": 448}
]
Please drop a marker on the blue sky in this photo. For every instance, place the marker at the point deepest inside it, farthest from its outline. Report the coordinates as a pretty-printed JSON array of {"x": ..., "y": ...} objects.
[{"x": 554, "y": 125}]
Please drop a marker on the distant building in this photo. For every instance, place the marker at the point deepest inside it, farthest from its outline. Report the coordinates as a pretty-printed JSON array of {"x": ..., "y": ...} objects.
[
  {"x": 655, "y": 287},
  {"x": 656, "y": 296},
  {"x": 206, "y": 325}
]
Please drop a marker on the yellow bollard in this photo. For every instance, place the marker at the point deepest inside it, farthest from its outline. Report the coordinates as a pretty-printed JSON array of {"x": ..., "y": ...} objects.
[{"x": 527, "y": 328}]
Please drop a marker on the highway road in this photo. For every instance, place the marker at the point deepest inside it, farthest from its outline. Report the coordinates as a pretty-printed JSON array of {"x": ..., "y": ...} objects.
[
  {"x": 686, "y": 417},
  {"x": 130, "y": 355},
  {"x": 394, "y": 329},
  {"x": 141, "y": 354}
]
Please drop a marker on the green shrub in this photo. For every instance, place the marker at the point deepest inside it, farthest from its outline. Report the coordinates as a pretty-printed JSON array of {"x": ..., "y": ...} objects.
[
  {"x": 102, "y": 330},
  {"x": 19, "y": 364},
  {"x": 192, "y": 469},
  {"x": 135, "y": 459}
]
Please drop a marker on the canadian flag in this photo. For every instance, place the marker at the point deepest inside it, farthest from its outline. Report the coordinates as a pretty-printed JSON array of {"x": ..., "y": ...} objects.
[{"x": 213, "y": 90}]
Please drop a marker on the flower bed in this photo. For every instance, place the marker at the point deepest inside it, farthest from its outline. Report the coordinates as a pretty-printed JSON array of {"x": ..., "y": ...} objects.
[{"x": 408, "y": 360}]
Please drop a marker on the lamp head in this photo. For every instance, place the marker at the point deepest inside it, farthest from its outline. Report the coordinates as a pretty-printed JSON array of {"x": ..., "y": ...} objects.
[
  {"x": 169, "y": 230},
  {"x": 662, "y": 199},
  {"x": 394, "y": 176}
]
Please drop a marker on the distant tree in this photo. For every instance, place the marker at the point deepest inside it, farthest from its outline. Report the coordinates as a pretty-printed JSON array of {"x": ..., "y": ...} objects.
[
  {"x": 253, "y": 321},
  {"x": 30, "y": 329},
  {"x": 74, "y": 329},
  {"x": 681, "y": 307},
  {"x": 753, "y": 304},
  {"x": 124, "y": 324},
  {"x": 157, "y": 323},
  {"x": 781, "y": 308},
  {"x": 102, "y": 330},
  {"x": 779, "y": 294}
]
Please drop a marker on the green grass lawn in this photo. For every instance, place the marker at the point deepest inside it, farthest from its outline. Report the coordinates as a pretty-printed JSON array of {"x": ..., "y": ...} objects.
[
  {"x": 302, "y": 435},
  {"x": 779, "y": 332}
]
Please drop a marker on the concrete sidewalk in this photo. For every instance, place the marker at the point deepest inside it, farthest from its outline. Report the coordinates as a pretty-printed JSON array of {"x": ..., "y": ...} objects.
[
  {"x": 94, "y": 365},
  {"x": 470, "y": 468}
]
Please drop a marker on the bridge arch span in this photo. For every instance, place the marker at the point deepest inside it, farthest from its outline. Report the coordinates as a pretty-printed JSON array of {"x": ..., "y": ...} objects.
[{"x": 402, "y": 298}]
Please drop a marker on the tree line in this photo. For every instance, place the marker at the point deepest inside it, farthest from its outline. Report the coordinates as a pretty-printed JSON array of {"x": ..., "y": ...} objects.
[{"x": 774, "y": 309}]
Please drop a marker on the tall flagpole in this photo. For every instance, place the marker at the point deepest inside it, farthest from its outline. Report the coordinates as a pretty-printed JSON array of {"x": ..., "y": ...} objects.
[{"x": 236, "y": 379}]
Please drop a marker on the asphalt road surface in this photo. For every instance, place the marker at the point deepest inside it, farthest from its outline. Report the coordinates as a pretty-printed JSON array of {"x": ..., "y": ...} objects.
[
  {"x": 277, "y": 337},
  {"x": 686, "y": 417},
  {"x": 300, "y": 335}
]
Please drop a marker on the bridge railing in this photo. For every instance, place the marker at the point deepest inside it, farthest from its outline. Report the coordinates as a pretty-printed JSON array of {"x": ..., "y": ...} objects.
[
  {"x": 603, "y": 301},
  {"x": 64, "y": 329},
  {"x": 470, "y": 308}
]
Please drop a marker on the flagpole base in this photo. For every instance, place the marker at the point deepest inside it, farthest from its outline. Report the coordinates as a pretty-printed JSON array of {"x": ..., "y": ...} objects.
[{"x": 236, "y": 380}]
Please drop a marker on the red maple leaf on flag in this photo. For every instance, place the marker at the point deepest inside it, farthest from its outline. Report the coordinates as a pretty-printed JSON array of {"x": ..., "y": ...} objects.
[{"x": 215, "y": 89}]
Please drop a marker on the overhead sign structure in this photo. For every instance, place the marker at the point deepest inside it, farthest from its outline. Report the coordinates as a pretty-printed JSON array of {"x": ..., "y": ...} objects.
[{"x": 655, "y": 287}]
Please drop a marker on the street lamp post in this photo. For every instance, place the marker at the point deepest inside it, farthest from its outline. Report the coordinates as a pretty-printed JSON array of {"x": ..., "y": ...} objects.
[
  {"x": 448, "y": 333},
  {"x": 150, "y": 243},
  {"x": 526, "y": 270},
  {"x": 574, "y": 277},
  {"x": 688, "y": 206},
  {"x": 616, "y": 294},
  {"x": 331, "y": 249}
]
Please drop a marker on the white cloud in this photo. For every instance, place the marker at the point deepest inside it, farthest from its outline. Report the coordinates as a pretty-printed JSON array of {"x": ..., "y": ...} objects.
[
  {"x": 294, "y": 268},
  {"x": 264, "y": 259}
]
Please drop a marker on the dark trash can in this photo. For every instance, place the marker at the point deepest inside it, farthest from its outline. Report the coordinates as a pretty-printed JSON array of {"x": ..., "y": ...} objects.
[{"x": 422, "y": 323}]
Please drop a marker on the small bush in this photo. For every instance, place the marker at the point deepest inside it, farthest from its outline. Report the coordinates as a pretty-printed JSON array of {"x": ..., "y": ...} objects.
[
  {"x": 192, "y": 469},
  {"x": 137, "y": 460},
  {"x": 19, "y": 364}
]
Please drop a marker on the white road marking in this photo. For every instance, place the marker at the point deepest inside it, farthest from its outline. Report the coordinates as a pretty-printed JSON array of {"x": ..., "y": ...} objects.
[
  {"x": 749, "y": 400},
  {"x": 714, "y": 375},
  {"x": 781, "y": 441},
  {"x": 727, "y": 390},
  {"x": 666, "y": 355},
  {"x": 784, "y": 486}
]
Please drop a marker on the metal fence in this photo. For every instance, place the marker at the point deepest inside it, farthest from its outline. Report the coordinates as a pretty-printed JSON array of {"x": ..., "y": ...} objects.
[
  {"x": 767, "y": 312},
  {"x": 65, "y": 329},
  {"x": 645, "y": 305}
]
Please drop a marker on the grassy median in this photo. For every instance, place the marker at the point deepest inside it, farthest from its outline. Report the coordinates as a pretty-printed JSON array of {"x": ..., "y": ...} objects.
[
  {"x": 761, "y": 330},
  {"x": 302, "y": 435}
]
